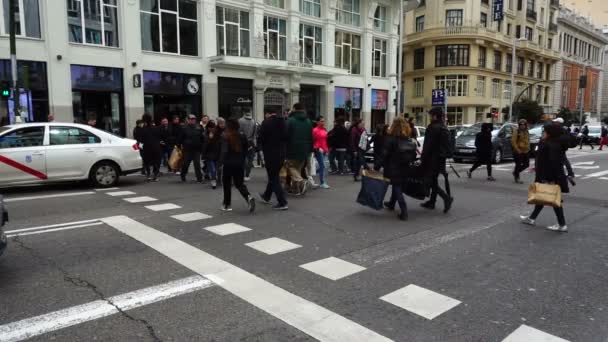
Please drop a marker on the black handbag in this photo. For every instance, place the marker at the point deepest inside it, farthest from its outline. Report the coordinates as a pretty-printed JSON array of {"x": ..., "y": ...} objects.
[{"x": 416, "y": 185}]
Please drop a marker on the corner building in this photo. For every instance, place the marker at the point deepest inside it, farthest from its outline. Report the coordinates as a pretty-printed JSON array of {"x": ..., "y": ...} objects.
[
  {"x": 116, "y": 59},
  {"x": 456, "y": 45}
]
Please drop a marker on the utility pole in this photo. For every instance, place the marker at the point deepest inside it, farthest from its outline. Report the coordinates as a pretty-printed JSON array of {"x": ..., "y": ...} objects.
[
  {"x": 12, "y": 11},
  {"x": 582, "y": 84},
  {"x": 400, "y": 59}
]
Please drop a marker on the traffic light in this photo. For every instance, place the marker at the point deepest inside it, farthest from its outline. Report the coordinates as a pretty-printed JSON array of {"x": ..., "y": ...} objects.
[
  {"x": 348, "y": 106},
  {"x": 6, "y": 89},
  {"x": 582, "y": 82}
]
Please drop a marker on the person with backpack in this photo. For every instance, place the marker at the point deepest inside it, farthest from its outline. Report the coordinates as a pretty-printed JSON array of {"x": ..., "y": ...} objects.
[
  {"x": 585, "y": 138},
  {"x": 603, "y": 137},
  {"x": 398, "y": 154},
  {"x": 248, "y": 128},
  {"x": 520, "y": 141},
  {"x": 436, "y": 149},
  {"x": 299, "y": 147},
  {"x": 483, "y": 151}
]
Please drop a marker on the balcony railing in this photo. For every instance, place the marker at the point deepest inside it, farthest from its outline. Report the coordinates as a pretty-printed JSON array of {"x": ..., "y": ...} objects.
[
  {"x": 531, "y": 14},
  {"x": 553, "y": 27}
]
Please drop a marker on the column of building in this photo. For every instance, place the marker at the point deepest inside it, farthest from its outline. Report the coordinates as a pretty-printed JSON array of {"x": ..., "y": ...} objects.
[
  {"x": 329, "y": 55},
  {"x": 209, "y": 49}
]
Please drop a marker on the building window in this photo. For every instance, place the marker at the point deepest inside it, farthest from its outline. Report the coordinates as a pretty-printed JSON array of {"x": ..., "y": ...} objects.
[
  {"x": 531, "y": 68},
  {"x": 529, "y": 33},
  {"x": 380, "y": 19},
  {"x": 455, "y": 85},
  {"x": 509, "y": 63},
  {"x": 549, "y": 43},
  {"x": 453, "y": 18},
  {"x": 548, "y": 72},
  {"x": 452, "y": 55},
  {"x": 481, "y": 60},
  {"x": 232, "y": 28},
  {"x": 483, "y": 19},
  {"x": 497, "y": 60},
  {"x": 275, "y": 3},
  {"x": 455, "y": 116},
  {"x": 496, "y": 88},
  {"x": 379, "y": 58},
  {"x": 27, "y": 18},
  {"x": 311, "y": 7},
  {"x": 420, "y": 23},
  {"x": 507, "y": 92},
  {"x": 539, "y": 70},
  {"x": 480, "y": 114},
  {"x": 546, "y": 97},
  {"x": 518, "y": 31},
  {"x": 540, "y": 40},
  {"x": 419, "y": 58},
  {"x": 348, "y": 52},
  {"x": 275, "y": 38},
  {"x": 419, "y": 87},
  {"x": 348, "y": 12},
  {"x": 99, "y": 20},
  {"x": 520, "y": 66},
  {"x": 509, "y": 27},
  {"x": 169, "y": 26},
  {"x": 481, "y": 86},
  {"x": 311, "y": 44}
]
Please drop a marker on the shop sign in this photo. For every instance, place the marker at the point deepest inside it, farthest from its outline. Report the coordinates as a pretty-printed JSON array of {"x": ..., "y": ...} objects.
[
  {"x": 276, "y": 81},
  {"x": 379, "y": 99},
  {"x": 192, "y": 87},
  {"x": 243, "y": 100},
  {"x": 299, "y": 64},
  {"x": 348, "y": 98},
  {"x": 137, "y": 81},
  {"x": 498, "y": 10}
]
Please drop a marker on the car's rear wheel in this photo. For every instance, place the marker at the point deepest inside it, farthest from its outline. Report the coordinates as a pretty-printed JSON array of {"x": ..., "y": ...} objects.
[
  {"x": 497, "y": 156},
  {"x": 105, "y": 174}
]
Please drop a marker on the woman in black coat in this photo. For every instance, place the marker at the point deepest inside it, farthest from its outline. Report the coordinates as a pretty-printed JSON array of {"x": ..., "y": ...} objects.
[
  {"x": 234, "y": 146},
  {"x": 149, "y": 136},
  {"x": 550, "y": 169},
  {"x": 212, "y": 152},
  {"x": 483, "y": 151},
  {"x": 378, "y": 140},
  {"x": 398, "y": 154}
]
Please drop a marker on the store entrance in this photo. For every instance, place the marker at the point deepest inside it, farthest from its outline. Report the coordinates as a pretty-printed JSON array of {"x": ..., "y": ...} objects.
[
  {"x": 105, "y": 107},
  {"x": 166, "y": 106},
  {"x": 378, "y": 118},
  {"x": 310, "y": 97}
]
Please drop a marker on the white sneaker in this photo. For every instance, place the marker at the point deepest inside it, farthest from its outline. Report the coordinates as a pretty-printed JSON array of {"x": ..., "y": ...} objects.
[
  {"x": 325, "y": 186},
  {"x": 225, "y": 208},
  {"x": 247, "y": 179},
  {"x": 558, "y": 228},
  {"x": 527, "y": 220}
]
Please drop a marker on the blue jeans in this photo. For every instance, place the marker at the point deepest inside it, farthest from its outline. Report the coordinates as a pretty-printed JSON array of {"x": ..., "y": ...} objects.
[
  {"x": 250, "y": 155},
  {"x": 165, "y": 155},
  {"x": 397, "y": 196},
  {"x": 212, "y": 169},
  {"x": 320, "y": 156}
]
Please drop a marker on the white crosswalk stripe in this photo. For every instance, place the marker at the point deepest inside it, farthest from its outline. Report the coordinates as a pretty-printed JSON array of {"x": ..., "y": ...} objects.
[
  {"x": 422, "y": 302},
  {"x": 528, "y": 334}
]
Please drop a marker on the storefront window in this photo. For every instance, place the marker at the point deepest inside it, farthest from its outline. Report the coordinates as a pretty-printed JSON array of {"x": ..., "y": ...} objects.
[
  {"x": 348, "y": 103},
  {"x": 236, "y": 98},
  {"x": 311, "y": 7},
  {"x": 98, "y": 18},
  {"x": 348, "y": 52},
  {"x": 168, "y": 94},
  {"x": 455, "y": 116},
  {"x": 27, "y": 18},
  {"x": 232, "y": 28},
  {"x": 379, "y": 58},
  {"x": 169, "y": 26},
  {"x": 348, "y": 12},
  {"x": 275, "y": 38},
  {"x": 311, "y": 44},
  {"x": 31, "y": 102}
]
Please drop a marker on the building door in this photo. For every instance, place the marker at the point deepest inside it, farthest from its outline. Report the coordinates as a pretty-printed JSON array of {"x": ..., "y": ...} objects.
[
  {"x": 310, "y": 97},
  {"x": 105, "y": 107},
  {"x": 275, "y": 101}
]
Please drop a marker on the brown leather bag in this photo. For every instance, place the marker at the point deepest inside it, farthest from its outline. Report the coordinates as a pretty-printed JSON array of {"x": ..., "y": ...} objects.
[{"x": 545, "y": 194}]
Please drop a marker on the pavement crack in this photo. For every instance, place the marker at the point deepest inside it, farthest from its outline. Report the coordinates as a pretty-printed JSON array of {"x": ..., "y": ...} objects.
[{"x": 83, "y": 283}]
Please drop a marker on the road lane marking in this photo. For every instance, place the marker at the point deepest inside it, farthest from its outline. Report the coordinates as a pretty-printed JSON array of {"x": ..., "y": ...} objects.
[
  {"x": 227, "y": 229},
  {"x": 50, "y": 226},
  {"x": 141, "y": 199},
  {"x": 55, "y": 229},
  {"x": 163, "y": 207},
  {"x": 527, "y": 334},
  {"x": 29, "y": 198},
  {"x": 60, "y": 319},
  {"x": 120, "y": 193},
  {"x": 604, "y": 178},
  {"x": 106, "y": 189},
  {"x": 272, "y": 245},
  {"x": 189, "y": 217},
  {"x": 597, "y": 174},
  {"x": 306, "y": 316},
  {"x": 332, "y": 268},
  {"x": 426, "y": 303}
]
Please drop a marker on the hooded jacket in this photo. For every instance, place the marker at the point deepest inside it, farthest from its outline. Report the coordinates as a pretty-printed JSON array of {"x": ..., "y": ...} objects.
[
  {"x": 299, "y": 131},
  {"x": 247, "y": 125},
  {"x": 520, "y": 141}
]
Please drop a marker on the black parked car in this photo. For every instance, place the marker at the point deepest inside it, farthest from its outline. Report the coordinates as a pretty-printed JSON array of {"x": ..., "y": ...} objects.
[
  {"x": 3, "y": 220},
  {"x": 501, "y": 141}
]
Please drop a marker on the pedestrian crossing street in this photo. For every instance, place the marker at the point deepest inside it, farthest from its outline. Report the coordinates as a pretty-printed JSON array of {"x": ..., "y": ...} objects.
[{"x": 422, "y": 302}]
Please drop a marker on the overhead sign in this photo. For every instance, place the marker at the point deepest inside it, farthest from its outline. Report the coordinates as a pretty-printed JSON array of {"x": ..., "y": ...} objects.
[
  {"x": 498, "y": 10},
  {"x": 438, "y": 97}
]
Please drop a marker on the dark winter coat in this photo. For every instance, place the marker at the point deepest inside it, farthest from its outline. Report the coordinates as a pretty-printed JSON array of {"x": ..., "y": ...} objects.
[
  {"x": 165, "y": 136},
  {"x": 338, "y": 138},
  {"x": 229, "y": 156},
  {"x": 378, "y": 140},
  {"x": 550, "y": 164},
  {"x": 213, "y": 146},
  {"x": 435, "y": 149},
  {"x": 355, "y": 137},
  {"x": 192, "y": 138},
  {"x": 299, "y": 130},
  {"x": 483, "y": 147},
  {"x": 273, "y": 139},
  {"x": 396, "y": 158},
  {"x": 174, "y": 133},
  {"x": 150, "y": 138}
]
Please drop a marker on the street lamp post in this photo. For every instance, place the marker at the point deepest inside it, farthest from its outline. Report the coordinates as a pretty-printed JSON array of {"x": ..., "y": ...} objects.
[
  {"x": 513, "y": 66},
  {"x": 582, "y": 97}
]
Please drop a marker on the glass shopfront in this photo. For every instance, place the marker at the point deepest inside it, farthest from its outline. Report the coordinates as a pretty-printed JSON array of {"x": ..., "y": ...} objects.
[
  {"x": 379, "y": 107},
  {"x": 97, "y": 93},
  {"x": 167, "y": 94},
  {"x": 310, "y": 97},
  {"x": 348, "y": 103},
  {"x": 235, "y": 97},
  {"x": 33, "y": 94}
]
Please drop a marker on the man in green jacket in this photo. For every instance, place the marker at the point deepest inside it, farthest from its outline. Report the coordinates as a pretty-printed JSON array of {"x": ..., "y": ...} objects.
[{"x": 299, "y": 146}]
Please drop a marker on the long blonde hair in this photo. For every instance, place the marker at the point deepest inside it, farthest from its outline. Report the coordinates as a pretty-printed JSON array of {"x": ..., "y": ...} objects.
[{"x": 400, "y": 128}]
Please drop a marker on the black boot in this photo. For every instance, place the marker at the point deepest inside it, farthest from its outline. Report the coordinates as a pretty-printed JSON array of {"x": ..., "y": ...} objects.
[
  {"x": 428, "y": 205},
  {"x": 447, "y": 204},
  {"x": 403, "y": 215},
  {"x": 389, "y": 205}
]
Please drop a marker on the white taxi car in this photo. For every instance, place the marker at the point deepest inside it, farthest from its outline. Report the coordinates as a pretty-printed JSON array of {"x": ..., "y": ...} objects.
[{"x": 50, "y": 152}]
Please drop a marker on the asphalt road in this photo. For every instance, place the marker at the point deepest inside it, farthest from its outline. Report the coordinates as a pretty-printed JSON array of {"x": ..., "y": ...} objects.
[{"x": 86, "y": 265}]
